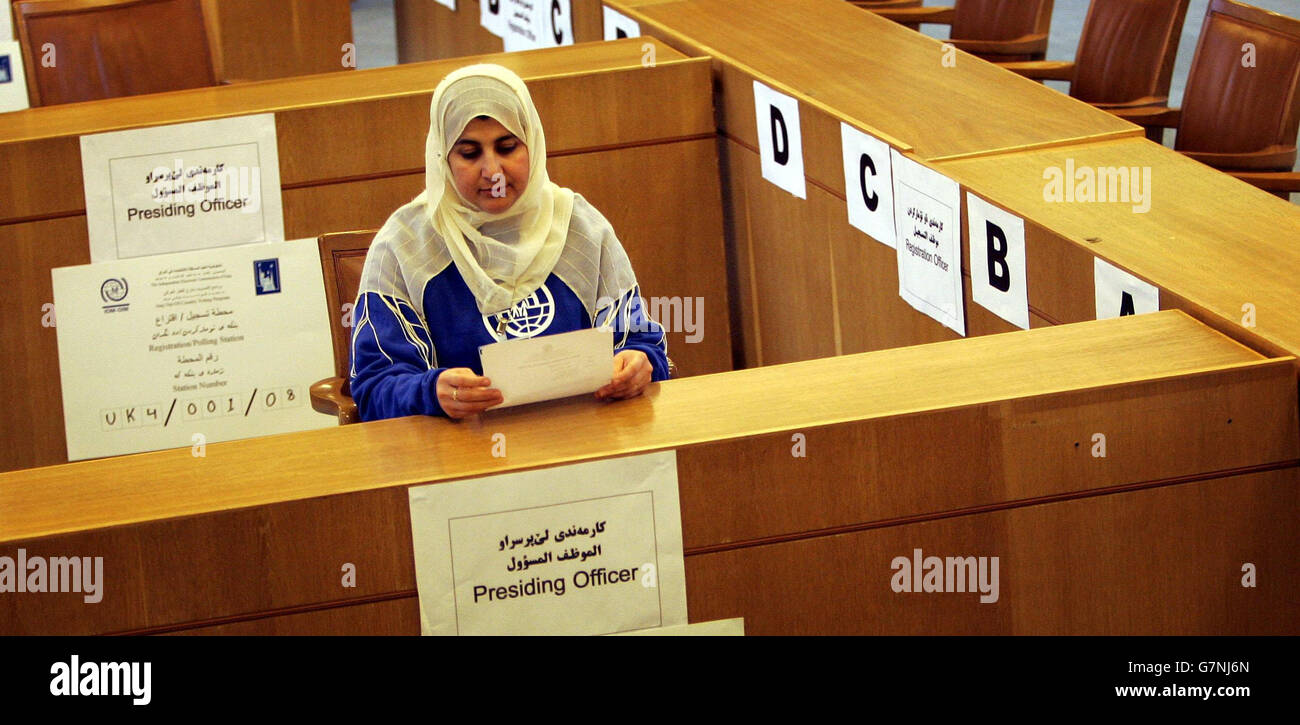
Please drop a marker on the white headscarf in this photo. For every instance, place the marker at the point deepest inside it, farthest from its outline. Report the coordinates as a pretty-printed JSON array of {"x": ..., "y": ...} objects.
[{"x": 498, "y": 273}]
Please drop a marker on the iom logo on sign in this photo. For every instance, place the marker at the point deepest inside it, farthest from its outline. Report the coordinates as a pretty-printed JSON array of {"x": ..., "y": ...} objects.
[
  {"x": 113, "y": 292},
  {"x": 528, "y": 317}
]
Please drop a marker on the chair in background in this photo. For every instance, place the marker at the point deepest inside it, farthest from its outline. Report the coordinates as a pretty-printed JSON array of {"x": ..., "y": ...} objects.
[
  {"x": 1125, "y": 57},
  {"x": 995, "y": 30},
  {"x": 1241, "y": 105},
  {"x": 342, "y": 257},
  {"x": 889, "y": 4},
  {"x": 109, "y": 48}
]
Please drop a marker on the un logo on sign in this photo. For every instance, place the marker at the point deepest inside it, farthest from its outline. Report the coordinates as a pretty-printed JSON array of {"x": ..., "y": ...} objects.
[{"x": 528, "y": 317}]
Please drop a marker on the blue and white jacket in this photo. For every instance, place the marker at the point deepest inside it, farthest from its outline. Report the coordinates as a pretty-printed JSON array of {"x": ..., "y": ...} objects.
[{"x": 415, "y": 317}]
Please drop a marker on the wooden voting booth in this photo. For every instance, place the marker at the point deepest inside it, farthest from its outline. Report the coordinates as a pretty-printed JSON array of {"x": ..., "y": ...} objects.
[
  {"x": 427, "y": 30},
  {"x": 261, "y": 39},
  {"x": 808, "y": 284},
  {"x": 1216, "y": 248},
  {"x": 981, "y": 447},
  {"x": 351, "y": 149}
]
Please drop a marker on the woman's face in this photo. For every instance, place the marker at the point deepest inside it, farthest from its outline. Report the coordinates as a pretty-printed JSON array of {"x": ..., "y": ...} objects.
[{"x": 489, "y": 165}]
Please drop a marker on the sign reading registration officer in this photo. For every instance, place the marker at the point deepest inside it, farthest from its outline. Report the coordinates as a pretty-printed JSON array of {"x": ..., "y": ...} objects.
[{"x": 591, "y": 548}]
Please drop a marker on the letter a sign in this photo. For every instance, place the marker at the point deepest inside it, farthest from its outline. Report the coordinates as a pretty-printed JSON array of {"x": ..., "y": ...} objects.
[
  {"x": 780, "y": 145},
  {"x": 1120, "y": 294}
]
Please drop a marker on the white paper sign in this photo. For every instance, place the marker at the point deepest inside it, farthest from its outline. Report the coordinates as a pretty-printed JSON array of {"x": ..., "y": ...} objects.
[
  {"x": 13, "y": 81},
  {"x": 590, "y": 548},
  {"x": 219, "y": 344},
  {"x": 780, "y": 143},
  {"x": 182, "y": 187},
  {"x": 997, "y": 261},
  {"x": 449, "y": 4},
  {"x": 868, "y": 184},
  {"x": 6, "y": 27},
  {"x": 927, "y": 216},
  {"x": 557, "y": 23},
  {"x": 618, "y": 25},
  {"x": 531, "y": 369},
  {"x": 492, "y": 16},
  {"x": 1119, "y": 293},
  {"x": 532, "y": 24},
  {"x": 523, "y": 25},
  {"x": 716, "y": 628}
]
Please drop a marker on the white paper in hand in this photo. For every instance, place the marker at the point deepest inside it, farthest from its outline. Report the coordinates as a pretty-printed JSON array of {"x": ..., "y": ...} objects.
[{"x": 533, "y": 369}]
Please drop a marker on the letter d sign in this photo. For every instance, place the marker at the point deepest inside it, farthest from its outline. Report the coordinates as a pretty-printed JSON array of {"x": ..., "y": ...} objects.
[
  {"x": 780, "y": 145},
  {"x": 780, "y": 137}
]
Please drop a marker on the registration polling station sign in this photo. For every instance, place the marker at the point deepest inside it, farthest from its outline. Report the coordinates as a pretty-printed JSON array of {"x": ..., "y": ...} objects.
[{"x": 589, "y": 548}]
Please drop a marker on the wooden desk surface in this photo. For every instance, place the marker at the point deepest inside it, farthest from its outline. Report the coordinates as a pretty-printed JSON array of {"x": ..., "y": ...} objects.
[
  {"x": 876, "y": 74},
  {"x": 1214, "y": 241},
  {"x": 897, "y": 382},
  {"x": 303, "y": 92}
]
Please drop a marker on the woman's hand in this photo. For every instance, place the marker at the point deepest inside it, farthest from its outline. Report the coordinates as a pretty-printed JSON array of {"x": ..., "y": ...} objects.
[
  {"x": 461, "y": 393},
  {"x": 632, "y": 372}
]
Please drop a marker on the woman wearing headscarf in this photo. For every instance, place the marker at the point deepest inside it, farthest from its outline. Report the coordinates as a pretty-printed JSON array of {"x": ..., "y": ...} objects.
[{"x": 491, "y": 250}]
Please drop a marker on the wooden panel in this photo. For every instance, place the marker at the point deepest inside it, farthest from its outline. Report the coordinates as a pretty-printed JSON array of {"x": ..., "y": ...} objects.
[
  {"x": 347, "y": 163},
  {"x": 684, "y": 219},
  {"x": 346, "y": 124},
  {"x": 32, "y": 427},
  {"x": 1211, "y": 244},
  {"x": 797, "y": 299},
  {"x": 802, "y": 47},
  {"x": 390, "y": 617},
  {"x": 686, "y": 411},
  {"x": 310, "y": 211},
  {"x": 1154, "y": 562},
  {"x": 260, "y": 39},
  {"x": 788, "y": 305},
  {"x": 428, "y": 31},
  {"x": 1015, "y": 451},
  {"x": 189, "y": 542},
  {"x": 185, "y": 572},
  {"x": 673, "y": 238}
]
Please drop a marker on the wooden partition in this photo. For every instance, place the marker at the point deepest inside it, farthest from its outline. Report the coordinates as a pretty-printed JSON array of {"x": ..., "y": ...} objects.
[
  {"x": 796, "y": 259},
  {"x": 427, "y": 30},
  {"x": 261, "y": 39},
  {"x": 807, "y": 284},
  {"x": 1218, "y": 248},
  {"x": 351, "y": 149},
  {"x": 975, "y": 447}
]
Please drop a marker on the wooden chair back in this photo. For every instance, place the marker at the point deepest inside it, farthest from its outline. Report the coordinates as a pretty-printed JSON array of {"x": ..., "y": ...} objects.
[
  {"x": 84, "y": 50},
  {"x": 342, "y": 257},
  {"x": 1002, "y": 20},
  {"x": 1242, "y": 91},
  {"x": 1127, "y": 50}
]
